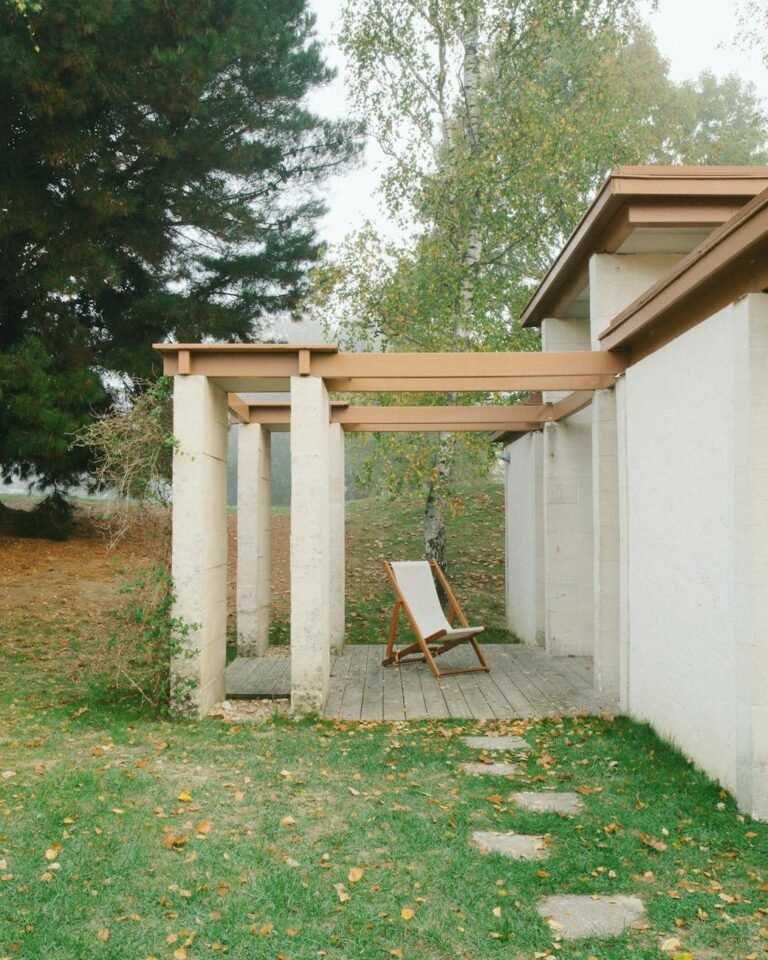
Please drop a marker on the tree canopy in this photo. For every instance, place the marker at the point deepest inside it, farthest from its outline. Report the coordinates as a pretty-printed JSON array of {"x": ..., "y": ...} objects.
[
  {"x": 158, "y": 166},
  {"x": 499, "y": 118}
]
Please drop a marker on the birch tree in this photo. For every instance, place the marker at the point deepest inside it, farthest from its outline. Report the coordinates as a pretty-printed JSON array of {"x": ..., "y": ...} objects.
[{"x": 497, "y": 118}]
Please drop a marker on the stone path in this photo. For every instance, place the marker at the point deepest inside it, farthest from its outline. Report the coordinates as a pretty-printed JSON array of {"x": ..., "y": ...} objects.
[
  {"x": 518, "y": 846},
  {"x": 496, "y": 743},
  {"x": 566, "y": 804},
  {"x": 575, "y": 916},
  {"x": 570, "y": 916},
  {"x": 490, "y": 769}
]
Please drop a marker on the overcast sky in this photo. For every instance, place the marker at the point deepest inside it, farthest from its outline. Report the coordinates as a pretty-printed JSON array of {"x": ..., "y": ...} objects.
[{"x": 693, "y": 35}]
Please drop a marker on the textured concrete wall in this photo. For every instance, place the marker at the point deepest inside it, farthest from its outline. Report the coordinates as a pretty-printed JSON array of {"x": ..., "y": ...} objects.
[
  {"x": 751, "y": 332},
  {"x": 254, "y": 499},
  {"x": 337, "y": 545},
  {"x": 310, "y": 544},
  {"x": 200, "y": 542},
  {"x": 567, "y": 509},
  {"x": 616, "y": 279},
  {"x": 697, "y": 469},
  {"x": 524, "y": 539}
]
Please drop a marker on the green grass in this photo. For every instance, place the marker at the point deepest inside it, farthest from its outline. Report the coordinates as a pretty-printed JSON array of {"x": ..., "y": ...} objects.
[
  {"x": 177, "y": 830},
  {"x": 170, "y": 837}
]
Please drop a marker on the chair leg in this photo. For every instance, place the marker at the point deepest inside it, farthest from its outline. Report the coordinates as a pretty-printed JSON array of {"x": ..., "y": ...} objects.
[
  {"x": 480, "y": 656},
  {"x": 390, "y": 656}
]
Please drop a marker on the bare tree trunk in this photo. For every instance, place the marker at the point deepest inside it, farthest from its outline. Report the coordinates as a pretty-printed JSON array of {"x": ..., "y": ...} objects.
[{"x": 434, "y": 531}]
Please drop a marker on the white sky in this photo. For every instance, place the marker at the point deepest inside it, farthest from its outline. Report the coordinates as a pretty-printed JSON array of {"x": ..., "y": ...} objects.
[{"x": 693, "y": 35}]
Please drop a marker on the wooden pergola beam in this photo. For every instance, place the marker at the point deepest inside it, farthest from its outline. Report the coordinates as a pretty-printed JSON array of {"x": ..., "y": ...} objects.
[
  {"x": 520, "y": 417},
  {"x": 418, "y": 372}
]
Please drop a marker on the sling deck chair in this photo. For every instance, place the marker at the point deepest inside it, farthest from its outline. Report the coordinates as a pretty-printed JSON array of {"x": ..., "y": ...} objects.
[{"x": 416, "y": 594}]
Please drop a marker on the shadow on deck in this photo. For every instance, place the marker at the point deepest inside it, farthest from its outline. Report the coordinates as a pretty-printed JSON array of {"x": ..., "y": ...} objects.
[{"x": 523, "y": 682}]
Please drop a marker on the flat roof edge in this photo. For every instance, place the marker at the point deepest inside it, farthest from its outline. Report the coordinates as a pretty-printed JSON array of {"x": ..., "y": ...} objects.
[
  {"x": 734, "y": 240},
  {"x": 620, "y": 185}
]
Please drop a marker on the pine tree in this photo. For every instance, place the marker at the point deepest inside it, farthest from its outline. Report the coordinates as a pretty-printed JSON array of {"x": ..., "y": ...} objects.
[{"x": 157, "y": 166}]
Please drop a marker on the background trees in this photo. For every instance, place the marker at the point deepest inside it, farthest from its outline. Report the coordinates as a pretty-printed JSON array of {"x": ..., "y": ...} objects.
[
  {"x": 156, "y": 171},
  {"x": 499, "y": 118}
]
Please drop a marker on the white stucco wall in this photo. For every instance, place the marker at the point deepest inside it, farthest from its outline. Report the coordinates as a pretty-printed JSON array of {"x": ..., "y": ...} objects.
[
  {"x": 693, "y": 460},
  {"x": 524, "y": 539}
]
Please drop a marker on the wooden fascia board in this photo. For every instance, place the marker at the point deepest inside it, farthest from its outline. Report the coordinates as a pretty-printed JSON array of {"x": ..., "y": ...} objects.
[
  {"x": 730, "y": 263},
  {"x": 684, "y": 187}
]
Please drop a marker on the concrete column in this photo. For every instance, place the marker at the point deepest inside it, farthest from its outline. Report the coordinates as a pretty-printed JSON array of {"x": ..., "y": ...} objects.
[
  {"x": 199, "y": 562},
  {"x": 310, "y": 545},
  {"x": 567, "y": 509},
  {"x": 624, "y": 534},
  {"x": 615, "y": 280},
  {"x": 524, "y": 539},
  {"x": 605, "y": 514},
  {"x": 751, "y": 501},
  {"x": 337, "y": 545},
  {"x": 254, "y": 502}
]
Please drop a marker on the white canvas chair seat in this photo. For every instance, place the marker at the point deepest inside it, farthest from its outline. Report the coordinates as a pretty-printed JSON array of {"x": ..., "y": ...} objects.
[{"x": 416, "y": 590}]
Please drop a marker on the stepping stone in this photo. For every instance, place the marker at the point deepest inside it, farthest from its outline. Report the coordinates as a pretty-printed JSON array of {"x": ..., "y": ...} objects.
[
  {"x": 574, "y": 916},
  {"x": 518, "y": 846},
  {"x": 490, "y": 769},
  {"x": 496, "y": 743},
  {"x": 548, "y": 801}
]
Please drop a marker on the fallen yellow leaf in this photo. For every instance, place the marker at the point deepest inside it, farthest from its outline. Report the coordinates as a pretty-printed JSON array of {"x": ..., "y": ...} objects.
[
  {"x": 355, "y": 874},
  {"x": 407, "y": 913},
  {"x": 184, "y": 797},
  {"x": 341, "y": 892}
]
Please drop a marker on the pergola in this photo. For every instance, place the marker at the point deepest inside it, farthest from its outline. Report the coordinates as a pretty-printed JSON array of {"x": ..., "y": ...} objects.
[{"x": 208, "y": 381}]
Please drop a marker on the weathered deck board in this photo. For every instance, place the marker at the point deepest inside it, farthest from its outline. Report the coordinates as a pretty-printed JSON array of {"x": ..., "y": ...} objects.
[{"x": 523, "y": 682}]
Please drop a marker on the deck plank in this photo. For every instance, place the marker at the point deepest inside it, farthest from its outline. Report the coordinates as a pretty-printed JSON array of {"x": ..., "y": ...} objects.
[{"x": 523, "y": 682}]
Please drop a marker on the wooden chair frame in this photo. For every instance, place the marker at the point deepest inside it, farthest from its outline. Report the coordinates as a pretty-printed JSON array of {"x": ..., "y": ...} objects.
[{"x": 422, "y": 645}]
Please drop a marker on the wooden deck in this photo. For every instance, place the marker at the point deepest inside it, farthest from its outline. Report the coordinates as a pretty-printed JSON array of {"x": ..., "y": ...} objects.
[{"x": 523, "y": 682}]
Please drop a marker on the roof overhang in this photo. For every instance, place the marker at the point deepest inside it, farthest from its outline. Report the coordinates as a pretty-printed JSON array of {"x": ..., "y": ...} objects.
[
  {"x": 732, "y": 262},
  {"x": 643, "y": 209}
]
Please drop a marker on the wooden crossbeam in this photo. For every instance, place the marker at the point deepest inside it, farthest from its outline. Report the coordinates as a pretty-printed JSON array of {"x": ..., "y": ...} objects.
[
  {"x": 353, "y": 372},
  {"x": 515, "y": 418}
]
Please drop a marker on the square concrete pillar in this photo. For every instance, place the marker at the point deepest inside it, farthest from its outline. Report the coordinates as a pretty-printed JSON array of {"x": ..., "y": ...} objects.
[
  {"x": 337, "y": 546},
  {"x": 199, "y": 565},
  {"x": 567, "y": 511},
  {"x": 254, "y": 503},
  {"x": 605, "y": 558},
  {"x": 524, "y": 538},
  {"x": 623, "y": 518},
  {"x": 615, "y": 280},
  {"x": 310, "y": 544}
]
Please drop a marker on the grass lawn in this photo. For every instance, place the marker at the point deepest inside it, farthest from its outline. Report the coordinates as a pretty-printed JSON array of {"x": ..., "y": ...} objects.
[{"x": 126, "y": 836}]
